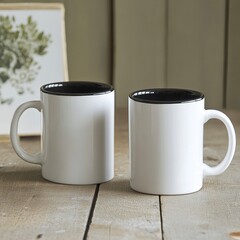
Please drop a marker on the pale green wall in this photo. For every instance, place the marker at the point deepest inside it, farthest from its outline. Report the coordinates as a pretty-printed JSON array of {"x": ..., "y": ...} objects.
[{"x": 137, "y": 44}]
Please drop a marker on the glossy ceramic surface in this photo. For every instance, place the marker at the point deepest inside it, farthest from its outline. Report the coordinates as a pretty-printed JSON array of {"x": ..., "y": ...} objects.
[
  {"x": 166, "y": 95},
  {"x": 166, "y": 146},
  {"x": 77, "y": 137}
]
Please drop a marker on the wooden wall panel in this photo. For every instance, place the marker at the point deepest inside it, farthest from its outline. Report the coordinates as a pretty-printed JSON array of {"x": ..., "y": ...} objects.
[
  {"x": 196, "y": 47},
  {"x": 157, "y": 43},
  {"x": 233, "y": 63},
  {"x": 140, "y": 27},
  {"x": 88, "y": 30}
]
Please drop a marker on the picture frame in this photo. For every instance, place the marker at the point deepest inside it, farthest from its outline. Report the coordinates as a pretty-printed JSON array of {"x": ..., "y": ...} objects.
[{"x": 32, "y": 53}]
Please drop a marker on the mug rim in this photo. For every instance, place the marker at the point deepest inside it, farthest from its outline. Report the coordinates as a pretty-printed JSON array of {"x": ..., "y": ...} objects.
[
  {"x": 166, "y": 96},
  {"x": 77, "y": 88}
]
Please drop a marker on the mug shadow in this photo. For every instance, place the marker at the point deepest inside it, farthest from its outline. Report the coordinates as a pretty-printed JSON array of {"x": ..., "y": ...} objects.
[
  {"x": 19, "y": 175},
  {"x": 118, "y": 185},
  {"x": 31, "y": 175}
]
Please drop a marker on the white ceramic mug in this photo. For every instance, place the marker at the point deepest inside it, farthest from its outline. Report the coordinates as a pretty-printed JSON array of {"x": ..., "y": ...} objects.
[
  {"x": 166, "y": 141},
  {"x": 77, "y": 132}
]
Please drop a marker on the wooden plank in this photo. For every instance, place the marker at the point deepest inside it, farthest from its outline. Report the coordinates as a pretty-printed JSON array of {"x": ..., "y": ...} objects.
[
  {"x": 233, "y": 70},
  {"x": 139, "y": 46},
  {"x": 196, "y": 47},
  {"x": 121, "y": 213},
  {"x": 33, "y": 208},
  {"x": 213, "y": 212},
  {"x": 4, "y": 138}
]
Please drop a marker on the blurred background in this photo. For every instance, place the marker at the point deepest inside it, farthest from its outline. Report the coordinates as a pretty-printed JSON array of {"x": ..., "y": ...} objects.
[{"x": 135, "y": 44}]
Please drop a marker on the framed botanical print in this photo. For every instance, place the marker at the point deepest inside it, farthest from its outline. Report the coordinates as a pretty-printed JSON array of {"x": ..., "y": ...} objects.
[{"x": 32, "y": 53}]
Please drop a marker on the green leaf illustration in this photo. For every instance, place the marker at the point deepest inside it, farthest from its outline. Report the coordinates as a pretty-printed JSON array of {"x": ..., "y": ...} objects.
[{"x": 20, "y": 43}]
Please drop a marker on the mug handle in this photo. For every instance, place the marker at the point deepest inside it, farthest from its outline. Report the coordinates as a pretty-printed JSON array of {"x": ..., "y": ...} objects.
[
  {"x": 36, "y": 158},
  {"x": 222, "y": 166}
]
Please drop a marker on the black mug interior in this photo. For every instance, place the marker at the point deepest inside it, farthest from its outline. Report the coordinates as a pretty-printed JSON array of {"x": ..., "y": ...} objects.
[
  {"x": 76, "y": 88},
  {"x": 166, "y": 95}
]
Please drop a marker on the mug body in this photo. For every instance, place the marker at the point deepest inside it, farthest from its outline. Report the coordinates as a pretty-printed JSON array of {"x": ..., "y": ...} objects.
[
  {"x": 78, "y": 132},
  {"x": 166, "y": 141},
  {"x": 165, "y": 135}
]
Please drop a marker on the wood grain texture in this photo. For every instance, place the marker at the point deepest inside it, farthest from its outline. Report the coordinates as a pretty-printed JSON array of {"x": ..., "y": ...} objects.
[
  {"x": 32, "y": 208},
  {"x": 213, "y": 212},
  {"x": 120, "y": 212},
  {"x": 233, "y": 61},
  {"x": 140, "y": 27},
  {"x": 196, "y": 47}
]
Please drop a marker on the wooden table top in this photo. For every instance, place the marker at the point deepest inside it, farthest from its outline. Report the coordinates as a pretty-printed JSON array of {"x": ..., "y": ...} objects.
[{"x": 33, "y": 208}]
